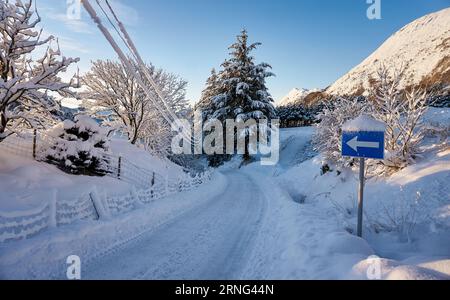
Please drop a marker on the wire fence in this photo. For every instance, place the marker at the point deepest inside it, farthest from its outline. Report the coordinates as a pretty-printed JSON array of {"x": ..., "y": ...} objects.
[{"x": 147, "y": 186}]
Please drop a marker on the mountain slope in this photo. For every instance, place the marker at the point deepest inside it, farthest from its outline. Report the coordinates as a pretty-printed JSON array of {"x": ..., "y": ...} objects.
[
  {"x": 296, "y": 96},
  {"x": 421, "y": 47}
]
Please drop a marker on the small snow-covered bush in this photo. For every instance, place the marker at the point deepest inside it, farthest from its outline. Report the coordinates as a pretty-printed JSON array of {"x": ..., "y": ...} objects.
[
  {"x": 401, "y": 216},
  {"x": 327, "y": 139},
  {"x": 79, "y": 147}
]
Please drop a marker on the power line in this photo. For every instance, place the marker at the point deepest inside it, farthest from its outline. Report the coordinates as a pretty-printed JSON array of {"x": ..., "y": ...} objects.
[{"x": 170, "y": 117}]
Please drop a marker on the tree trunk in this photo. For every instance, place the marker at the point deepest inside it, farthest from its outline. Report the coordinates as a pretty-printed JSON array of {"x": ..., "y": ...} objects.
[
  {"x": 247, "y": 151},
  {"x": 3, "y": 122},
  {"x": 134, "y": 137}
]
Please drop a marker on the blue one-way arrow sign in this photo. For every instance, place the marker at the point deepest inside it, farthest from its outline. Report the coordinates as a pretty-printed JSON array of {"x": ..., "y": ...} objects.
[
  {"x": 365, "y": 144},
  {"x": 363, "y": 137}
]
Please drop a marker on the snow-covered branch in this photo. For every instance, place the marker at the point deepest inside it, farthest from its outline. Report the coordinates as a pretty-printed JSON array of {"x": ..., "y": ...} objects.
[
  {"x": 25, "y": 83},
  {"x": 114, "y": 94}
]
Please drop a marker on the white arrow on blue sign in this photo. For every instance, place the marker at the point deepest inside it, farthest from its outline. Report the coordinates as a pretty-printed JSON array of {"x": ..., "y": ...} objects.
[{"x": 365, "y": 144}]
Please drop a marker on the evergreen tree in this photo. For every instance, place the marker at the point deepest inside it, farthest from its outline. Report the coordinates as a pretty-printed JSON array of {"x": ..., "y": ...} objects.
[
  {"x": 79, "y": 148},
  {"x": 205, "y": 103},
  {"x": 240, "y": 91},
  {"x": 243, "y": 92}
]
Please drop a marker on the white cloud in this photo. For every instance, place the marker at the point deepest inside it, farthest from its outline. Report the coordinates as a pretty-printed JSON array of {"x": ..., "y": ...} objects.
[
  {"x": 48, "y": 10},
  {"x": 66, "y": 43},
  {"x": 77, "y": 26}
]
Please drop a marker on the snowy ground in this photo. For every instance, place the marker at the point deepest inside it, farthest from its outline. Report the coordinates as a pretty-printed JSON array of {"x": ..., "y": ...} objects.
[
  {"x": 282, "y": 222},
  {"x": 27, "y": 184},
  {"x": 407, "y": 219}
]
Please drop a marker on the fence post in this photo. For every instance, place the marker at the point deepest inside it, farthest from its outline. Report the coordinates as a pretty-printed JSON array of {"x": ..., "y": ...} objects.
[
  {"x": 153, "y": 183},
  {"x": 34, "y": 143},
  {"x": 100, "y": 205},
  {"x": 119, "y": 168}
]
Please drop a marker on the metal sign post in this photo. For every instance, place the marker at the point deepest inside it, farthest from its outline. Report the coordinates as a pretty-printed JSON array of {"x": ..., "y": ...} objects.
[
  {"x": 362, "y": 143},
  {"x": 362, "y": 162}
]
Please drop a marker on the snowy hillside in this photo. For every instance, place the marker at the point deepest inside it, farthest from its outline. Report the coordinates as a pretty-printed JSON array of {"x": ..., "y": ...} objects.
[
  {"x": 28, "y": 185},
  {"x": 296, "y": 96},
  {"x": 422, "y": 47}
]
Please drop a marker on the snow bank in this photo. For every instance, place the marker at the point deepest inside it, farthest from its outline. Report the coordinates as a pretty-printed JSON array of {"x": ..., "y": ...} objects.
[
  {"x": 415, "y": 273},
  {"x": 26, "y": 184},
  {"x": 364, "y": 123},
  {"x": 386, "y": 269},
  {"x": 142, "y": 158},
  {"x": 300, "y": 241},
  {"x": 407, "y": 216},
  {"x": 330, "y": 210},
  {"x": 37, "y": 196}
]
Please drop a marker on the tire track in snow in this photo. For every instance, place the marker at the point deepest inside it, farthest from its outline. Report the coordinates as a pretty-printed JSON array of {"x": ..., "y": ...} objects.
[{"x": 212, "y": 241}]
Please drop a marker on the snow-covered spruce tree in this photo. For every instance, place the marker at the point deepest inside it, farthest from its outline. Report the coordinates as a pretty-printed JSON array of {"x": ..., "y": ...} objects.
[
  {"x": 79, "y": 147},
  {"x": 402, "y": 111},
  {"x": 327, "y": 139},
  {"x": 241, "y": 92},
  {"x": 24, "y": 82},
  {"x": 113, "y": 90},
  {"x": 205, "y": 104}
]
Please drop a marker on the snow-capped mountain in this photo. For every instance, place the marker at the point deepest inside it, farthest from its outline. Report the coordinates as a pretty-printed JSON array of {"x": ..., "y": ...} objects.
[
  {"x": 295, "y": 96},
  {"x": 421, "y": 47}
]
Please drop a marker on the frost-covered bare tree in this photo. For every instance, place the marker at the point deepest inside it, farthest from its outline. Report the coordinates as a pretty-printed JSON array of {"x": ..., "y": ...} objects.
[
  {"x": 113, "y": 90},
  {"x": 402, "y": 111},
  {"x": 25, "y": 83},
  {"x": 327, "y": 139},
  {"x": 156, "y": 133}
]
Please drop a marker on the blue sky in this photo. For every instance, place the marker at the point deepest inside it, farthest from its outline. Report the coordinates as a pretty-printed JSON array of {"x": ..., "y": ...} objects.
[{"x": 309, "y": 43}]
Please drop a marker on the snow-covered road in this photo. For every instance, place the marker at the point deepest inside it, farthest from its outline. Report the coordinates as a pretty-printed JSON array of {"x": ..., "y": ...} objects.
[{"x": 212, "y": 241}]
